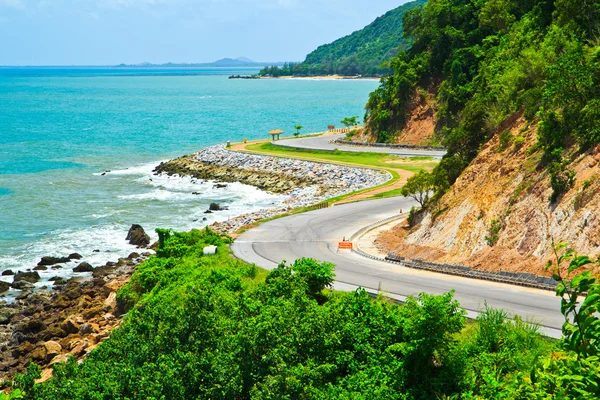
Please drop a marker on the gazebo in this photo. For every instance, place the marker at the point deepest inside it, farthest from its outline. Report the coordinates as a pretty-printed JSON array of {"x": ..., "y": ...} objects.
[{"x": 275, "y": 132}]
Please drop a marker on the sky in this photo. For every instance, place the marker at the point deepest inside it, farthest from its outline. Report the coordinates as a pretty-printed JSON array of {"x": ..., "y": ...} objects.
[{"x": 109, "y": 32}]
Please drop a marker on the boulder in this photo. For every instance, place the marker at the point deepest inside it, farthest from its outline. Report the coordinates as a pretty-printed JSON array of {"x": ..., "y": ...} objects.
[
  {"x": 103, "y": 271},
  {"x": 7, "y": 272},
  {"x": 22, "y": 285},
  {"x": 86, "y": 329},
  {"x": 5, "y": 316},
  {"x": 24, "y": 294},
  {"x": 32, "y": 326},
  {"x": 69, "y": 325},
  {"x": 137, "y": 236},
  {"x": 75, "y": 256},
  {"x": 40, "y": 268},
  {"x": 31, "y": 277},
  {"x": 83, "y": 267},
  {"x": 214, "y": 207},
  {"x": 134, "y": 255},
  {"x": 52, "y": 350},
  {"x": 4, "y": 286},
  {"x": 60, "y": 281},
  {"x": 53, "y": 260}
]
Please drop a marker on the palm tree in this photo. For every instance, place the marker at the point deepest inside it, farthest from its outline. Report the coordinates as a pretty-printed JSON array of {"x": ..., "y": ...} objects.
[{"x": 297, "y": 128}]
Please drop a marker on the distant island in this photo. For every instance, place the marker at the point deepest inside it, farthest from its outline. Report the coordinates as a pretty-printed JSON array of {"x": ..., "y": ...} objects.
[{"x": 222, "y": 63}]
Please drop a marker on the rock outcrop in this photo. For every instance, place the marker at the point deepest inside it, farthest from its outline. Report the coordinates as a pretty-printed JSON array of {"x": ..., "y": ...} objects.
[
  {"x": 48, "y": 260},
  {"x": 137, "y": 236}
]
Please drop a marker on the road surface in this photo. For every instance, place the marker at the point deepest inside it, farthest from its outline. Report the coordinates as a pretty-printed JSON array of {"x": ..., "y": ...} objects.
[
  {"x": 322, "y": 143},
  {"x": 316, "y": 234}
]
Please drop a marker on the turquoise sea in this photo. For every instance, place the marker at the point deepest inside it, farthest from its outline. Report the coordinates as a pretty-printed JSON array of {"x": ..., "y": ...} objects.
[{"x": 62, "y": 128}]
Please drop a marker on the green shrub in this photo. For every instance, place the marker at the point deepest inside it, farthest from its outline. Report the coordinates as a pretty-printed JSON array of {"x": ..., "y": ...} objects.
[
  {"x": 504, "y": 140},
  {"x": 493, "y": 233}
]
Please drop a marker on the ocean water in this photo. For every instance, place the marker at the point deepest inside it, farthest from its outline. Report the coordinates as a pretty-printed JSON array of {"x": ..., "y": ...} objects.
[{"x": 61, "y": 129}]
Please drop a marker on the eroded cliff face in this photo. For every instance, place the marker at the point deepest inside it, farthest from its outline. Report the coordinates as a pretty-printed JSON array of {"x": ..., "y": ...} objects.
[
  {"x": 506, "y": 183},
  {"x": 420, "y": 126}
]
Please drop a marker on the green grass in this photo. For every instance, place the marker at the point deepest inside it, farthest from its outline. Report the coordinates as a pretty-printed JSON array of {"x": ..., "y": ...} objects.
[{"x": 367, "y": 159}]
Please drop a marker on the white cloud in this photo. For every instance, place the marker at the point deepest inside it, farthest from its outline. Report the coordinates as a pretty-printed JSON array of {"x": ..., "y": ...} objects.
[{"x": 18, "y": 4}]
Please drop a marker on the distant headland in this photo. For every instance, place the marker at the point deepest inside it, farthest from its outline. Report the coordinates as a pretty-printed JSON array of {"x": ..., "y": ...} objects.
[{"x": 224, "y": 62}]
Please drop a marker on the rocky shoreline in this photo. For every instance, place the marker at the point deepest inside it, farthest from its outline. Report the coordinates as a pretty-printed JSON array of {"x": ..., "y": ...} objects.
[
  {"x": 304, "y": 182},
  {"x": 66, "y": 317}
]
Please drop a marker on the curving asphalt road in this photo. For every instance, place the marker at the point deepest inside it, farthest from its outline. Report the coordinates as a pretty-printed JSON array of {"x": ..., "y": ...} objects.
[
  {"x": 322, "y": 143},
  {"x": 315, "y": 234}
]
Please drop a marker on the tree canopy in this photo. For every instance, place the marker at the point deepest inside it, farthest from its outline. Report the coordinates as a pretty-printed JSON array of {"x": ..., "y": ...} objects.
[{"x": 488, "y": 60}]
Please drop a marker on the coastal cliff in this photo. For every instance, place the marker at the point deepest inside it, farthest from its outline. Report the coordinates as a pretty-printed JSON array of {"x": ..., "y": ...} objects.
[{"x": 506, "y": 183}]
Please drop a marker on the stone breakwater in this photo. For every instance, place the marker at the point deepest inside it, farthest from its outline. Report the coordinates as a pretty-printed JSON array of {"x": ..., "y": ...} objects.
[{"x": 304, "y": 182}]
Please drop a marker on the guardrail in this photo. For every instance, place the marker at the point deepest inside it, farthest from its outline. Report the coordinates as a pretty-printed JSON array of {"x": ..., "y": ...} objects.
[
  {"x": 342, "y": 130},
  {"x": 387, "y": 145},
  {"x": 513, "y": 278},
  {"x": 318, "y": 206}
]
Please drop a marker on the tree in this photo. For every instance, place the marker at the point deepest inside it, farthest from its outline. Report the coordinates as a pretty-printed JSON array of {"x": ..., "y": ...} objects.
[
  {"x": 297, "y": 128},
  {"x": 350, "y": 121},
  {"x": 418, "y": 187}
]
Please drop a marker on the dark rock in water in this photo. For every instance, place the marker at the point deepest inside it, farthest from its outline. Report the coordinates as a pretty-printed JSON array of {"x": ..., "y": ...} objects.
[
  {"x": 53, "y": 278},
  {"x": 7, "y": 272},
  {"x": 4, "y": 286},
  {"x": 53, "y": 260},
  {"x": 56, "y": 267},
  {"x": 111, "y": 264},
  {"x": 137, "y": 236},
  {"x": 196, "y": 193},
  {"x": 40, "y": 268},
  {"x": 83, "y": 267},
  {"x": 204, "y": 219},
  {"x": 134, "y": 255},
  {"x": 96, "y": 251},
  {"x": 207, "y": 212},
  {"x": 60, "y": 281},
  {"x": 31, "y": 277},
  {"x": 216, "y": 207},
  {"x": 22, "y": 285},
  {"x": 24, "y": 294},
  {"x": 220, "y": 186},
  {"x": 75, "y": 256}
]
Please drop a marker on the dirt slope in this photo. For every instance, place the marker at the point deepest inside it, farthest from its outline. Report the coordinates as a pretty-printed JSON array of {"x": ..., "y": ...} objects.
[{"x": 507, "y": 184}]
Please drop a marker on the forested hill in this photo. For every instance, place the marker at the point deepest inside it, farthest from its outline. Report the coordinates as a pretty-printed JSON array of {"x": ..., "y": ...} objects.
[
  {"x": 361, "y": 52},
  {"x": 487, "y": 60}
]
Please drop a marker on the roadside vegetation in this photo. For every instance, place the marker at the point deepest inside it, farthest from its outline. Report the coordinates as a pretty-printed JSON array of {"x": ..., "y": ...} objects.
[{"x": 208, "y": 327}]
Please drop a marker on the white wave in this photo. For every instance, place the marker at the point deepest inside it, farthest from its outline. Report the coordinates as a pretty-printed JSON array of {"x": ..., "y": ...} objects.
[{"x": 142, "y": 169}]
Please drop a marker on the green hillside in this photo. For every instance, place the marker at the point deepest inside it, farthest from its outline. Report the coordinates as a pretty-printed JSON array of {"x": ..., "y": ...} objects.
[
  {"x": 491, "y": 59},
  {"x": 361, "y": 52}
]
